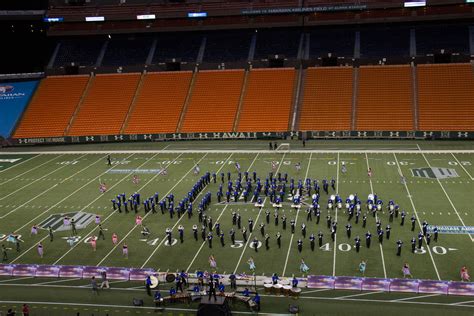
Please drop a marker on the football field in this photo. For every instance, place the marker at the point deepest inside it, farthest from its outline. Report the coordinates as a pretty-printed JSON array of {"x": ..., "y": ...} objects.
[{"x": 432, "y": 182}]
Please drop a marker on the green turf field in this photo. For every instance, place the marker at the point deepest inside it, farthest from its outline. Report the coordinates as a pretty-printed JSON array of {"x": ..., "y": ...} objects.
[{"x": 35, "y": 185}]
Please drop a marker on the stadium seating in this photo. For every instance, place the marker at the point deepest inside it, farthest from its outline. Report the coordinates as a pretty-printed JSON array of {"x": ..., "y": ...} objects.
[
  {"x": 267, "y": 101},
  {"x": 214, "y": 101},
  {"x": 338, "y": 41},
  {"x": 227, "y": 46},
  {"x": 451, "y": 38},
  {"x": 159, "y": 104},
  {"x": 184, "y": 46},
  {"x": 127, "y": 51},
  {"x": 106, "y": 105},
  {"x": 446, "y": 97},
  {"x": 384, "y": 99},
  {"x": 327, "y": 101},
  {"x": 81, "y": 52},
  {"x": 283, "y": 42},
  {"x": 384, "y": 42},
  {"x": 52, "y": 106}
]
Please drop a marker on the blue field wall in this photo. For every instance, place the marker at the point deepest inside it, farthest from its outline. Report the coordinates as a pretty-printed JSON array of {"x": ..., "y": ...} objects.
[{"x": 14, "y": 96}]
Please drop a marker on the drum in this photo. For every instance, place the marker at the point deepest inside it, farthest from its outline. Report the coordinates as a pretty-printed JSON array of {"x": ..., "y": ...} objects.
[
  {"x": 391, "y": 207},
  {"x": 347, "y": 206},
  {"x": 379, "y": 207},
  {"x": 277, "y": 289},
  {"x": 339, "y": 205},
  {"x": 267, "y": 281},
  {"x": 154, "y": 281},
  {"x": 295, "y": 292},
  {"x": 333, "y": 197},
  {"x": 351, "y": 197},
  {"x": 371, "y": 197},
  {"x": 268, "y": 288},
  {"x": 330, "y": 206},
  {"x": 284, "y": 282},
  {"x": 170, "y": 278},
  {"x": 286, "y": 290}
]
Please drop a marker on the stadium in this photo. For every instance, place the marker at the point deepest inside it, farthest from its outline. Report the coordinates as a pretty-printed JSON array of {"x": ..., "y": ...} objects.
[{"x": 230, "y": 157}]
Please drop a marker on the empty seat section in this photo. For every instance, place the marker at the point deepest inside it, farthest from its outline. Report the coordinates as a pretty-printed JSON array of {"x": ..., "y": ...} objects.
[
  {"x": 52, "y": 106},
  {"x": 327, "y": 100},
  {"x": 106, "y": 105},
  {"x": 214, "y": 101},
  {"x": 384, "y": 99},
  {"x": 267, "y": 101},
  {"x": 446, "y": 97},
  {"x": 159, "y": 104}
]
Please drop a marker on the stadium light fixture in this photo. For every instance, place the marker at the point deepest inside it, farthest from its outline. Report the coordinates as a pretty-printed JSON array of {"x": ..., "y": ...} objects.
[
  {"x": 197, "y": 14},
  {"x": 146, "y": 17},
  {"x": 95, "y": 18},
  {"x": 414, "y": 4}
]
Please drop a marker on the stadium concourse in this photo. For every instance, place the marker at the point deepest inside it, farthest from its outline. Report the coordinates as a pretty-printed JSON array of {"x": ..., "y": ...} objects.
[{"x": 428, "y": 181}]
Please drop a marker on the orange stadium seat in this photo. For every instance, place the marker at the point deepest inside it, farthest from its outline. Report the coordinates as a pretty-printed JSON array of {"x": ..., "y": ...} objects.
[
  {"x": 268, "y": 100},
  {"x": 106, "y": 105},
  {"x": 159, "y": 104},
  {"x": 214, "y": 101},
  {"x": 446, "y": 97},
  {"x": 384, "y": 99},
  {"x": 52, "y": 106},
  {"x": 327, "y": 100}
]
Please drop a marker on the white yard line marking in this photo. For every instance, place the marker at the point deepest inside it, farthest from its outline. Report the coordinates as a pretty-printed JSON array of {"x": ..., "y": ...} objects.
[
  {"x": 296, "y": 221},
  {"x": 112, "y": 213},
  {"x": 19, "y": 164},
  {"x": 204, "y": 242},
  {"x": 256, "y": 222},
  {"x": 416, "y": 214},
  {"x": 414, "y": 297},
  {"x": 246, "y": 151},
  {"x": 449, "y": 199},
  {"x": 50, "y": 208},
  {"x": 376, "y": 218},
  {"x": 179, "y": 220},
  {"x": 357, "y": 295},
  {"x": 314, "y": 291},
  {"x": 335, "y": 218},
  {"x": 462, "y": 166},
  {"x": 58, "y": 281},
  {"x": 32, "y": 169},
  {"x": 460, "y": 303},
  {"x": 16, "y": 279},
  {"x": 144, "y": 217},
  {"x": 38, "y": 179},
  {"x": 381, "y": 301}
]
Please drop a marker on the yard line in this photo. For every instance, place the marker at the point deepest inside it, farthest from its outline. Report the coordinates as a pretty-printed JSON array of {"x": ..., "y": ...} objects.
[
  {"x": 58, "y": 281},
  {"x": 177, "y": 222},
  {"x": 50, "y": 208},
  {"x": 460, "y": 303},
  {"x": 47, "y": 236},
  {"x": 376, "y": 218},
  {"x": 29, "y": 170},
  {"x": 112, "y": 213},
  {"x": 146, "y": 215},
  {"x": 416, "y": 213},
  {"x": 449, "y": 199},
  {"x": 256, "y": 221},
  {"x": 16, "y": 279},
  {"x": 204, "y": 242},
  {"x": 414, "y": 297},
  {"x": 38, "y": 179},
  {"x": 296, "y": 221},
  {"x": 19, "y": 164},
  {"x": 335, "y": 219},
  {"x": 462, "y": 166},
  {"x": 318, "y": 290},
  {"x": 357, "y": 295}
]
